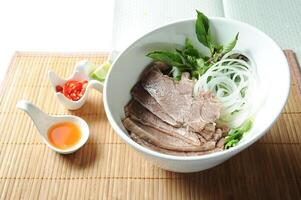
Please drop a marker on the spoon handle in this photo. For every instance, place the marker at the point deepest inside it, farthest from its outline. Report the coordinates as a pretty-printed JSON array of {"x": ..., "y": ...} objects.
[
  {"x": 97, "y": 85},
  {"x": 40, "y": 118}
]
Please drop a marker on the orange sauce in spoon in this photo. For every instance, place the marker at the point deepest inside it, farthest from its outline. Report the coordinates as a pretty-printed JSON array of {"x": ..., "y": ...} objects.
[{"x": 64, "y": 135}]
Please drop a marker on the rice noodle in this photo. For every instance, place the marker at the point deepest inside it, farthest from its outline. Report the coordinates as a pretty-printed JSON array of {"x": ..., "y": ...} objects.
[{"x": 233, "y": 81}]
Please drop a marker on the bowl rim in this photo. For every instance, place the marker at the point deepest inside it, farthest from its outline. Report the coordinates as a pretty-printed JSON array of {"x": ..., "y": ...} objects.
[{"x": 232, "y": 151}]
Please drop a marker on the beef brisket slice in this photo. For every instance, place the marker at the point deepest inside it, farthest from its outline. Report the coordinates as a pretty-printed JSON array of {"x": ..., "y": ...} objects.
[
  {"x": 172, "y": 152},
  {"x": 165, "y": 116},
  {"x": 137, "y": 112},
  {"x": 176, "y": 99},
  {"x": 205, "y": 109},
  {"x": 162, "y": 139},
  {"x": 140, "y": 95},
  {"x": 164, "y": 90}
]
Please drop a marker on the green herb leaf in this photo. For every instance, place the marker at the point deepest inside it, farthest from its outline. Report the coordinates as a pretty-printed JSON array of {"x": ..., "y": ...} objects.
[
  {"x": 213, "y": 47},
  {"x": 189, "y": 58},
  {"x": 231, "y": 45},
  {"x": 204, "y": 34},
  {"x": 235, "y": 134},
  {"x": 200, "y": 68},
  {"x": 176, "y": 73},
  {"x": 170, "y": 58},
  {"x": 190, "y": 49},
  {"x": 192, "y": 61},
  {"x": 200, "y": 62},
  {"x": 202, "y": 29},
  {"x": 245, "y": 127}
]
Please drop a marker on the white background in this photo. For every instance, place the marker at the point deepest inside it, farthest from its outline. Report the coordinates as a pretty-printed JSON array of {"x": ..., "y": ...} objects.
[
  {"x": 54, "y": 25},
  {"x": 86, "y": 25}
]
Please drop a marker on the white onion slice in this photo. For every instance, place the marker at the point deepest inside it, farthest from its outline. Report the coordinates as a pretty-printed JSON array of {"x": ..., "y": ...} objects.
[{"x": 233, "y": 82}]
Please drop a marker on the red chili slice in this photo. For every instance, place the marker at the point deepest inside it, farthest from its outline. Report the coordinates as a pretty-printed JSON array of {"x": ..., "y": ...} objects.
[
  {"x": 72, "y": 89},
  {"x": 59, "y": 88}
]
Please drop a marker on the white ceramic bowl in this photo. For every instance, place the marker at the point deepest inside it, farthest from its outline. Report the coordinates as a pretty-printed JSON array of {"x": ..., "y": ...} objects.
[
  {"x": 81, "y": 72},
  {"x": 273, "y": 71}
]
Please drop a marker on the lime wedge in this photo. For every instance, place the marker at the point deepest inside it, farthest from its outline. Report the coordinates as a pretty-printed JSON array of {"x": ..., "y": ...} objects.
[{"x": 101, "y": 72}]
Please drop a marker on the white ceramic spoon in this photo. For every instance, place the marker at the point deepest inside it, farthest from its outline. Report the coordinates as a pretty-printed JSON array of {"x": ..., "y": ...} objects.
[{"x": 43, "y": 122}]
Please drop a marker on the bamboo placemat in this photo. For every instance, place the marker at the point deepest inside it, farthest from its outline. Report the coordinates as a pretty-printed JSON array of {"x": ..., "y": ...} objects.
[{"x": 107, "y": 168}]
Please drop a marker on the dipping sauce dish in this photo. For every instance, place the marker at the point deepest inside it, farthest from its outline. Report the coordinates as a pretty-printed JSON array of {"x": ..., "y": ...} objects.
[{"x": 64, "y": 134}]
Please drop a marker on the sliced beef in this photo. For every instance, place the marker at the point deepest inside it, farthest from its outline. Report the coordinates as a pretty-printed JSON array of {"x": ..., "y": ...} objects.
[
  {"x": 173, "y": 152},
  {"x": 137, "y": 112},
  {"x": 165, "y": 116},
  {"x": 157, "y": 65},
  {"x": 194, "y": 120},
  {"x": 220, "y": 143},
  {"x": 185, "y": 86},
  {"x": 211, "y": 109},
  {"x": 140, "y": 95},
  {"x": 164, "y": 90},
  {"x": 217, "y": 135},
  {"x": 162, "y": 139},
  {"x": 177, "y": 100},
  {"x": 205, "y": 110}
]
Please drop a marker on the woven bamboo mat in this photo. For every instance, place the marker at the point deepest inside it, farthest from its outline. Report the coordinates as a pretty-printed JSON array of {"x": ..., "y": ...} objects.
[{"x": 106, "y": 168}]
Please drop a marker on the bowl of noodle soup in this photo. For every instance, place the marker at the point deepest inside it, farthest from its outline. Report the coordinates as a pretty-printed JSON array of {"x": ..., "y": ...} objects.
[{"x": 270, "y": 88}]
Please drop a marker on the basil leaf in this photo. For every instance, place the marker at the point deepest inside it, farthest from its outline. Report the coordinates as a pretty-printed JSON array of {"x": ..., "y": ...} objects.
[
  {"x": 202, "y": 29},
  {"x": 190, "y": 49},
  {"x": 189, "y": 61},
  {"x": 192, "y": 61},
  {"x": 213, "y": 47},
  {"x": 200, "y": 68},
  {"x": 204, "y": 35},
  {"x": 188, "y": 43},
  {"x": 200, "y": 62},
  {"x": 231, "y": 45},
  {"x": 170, "y": 58}
]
